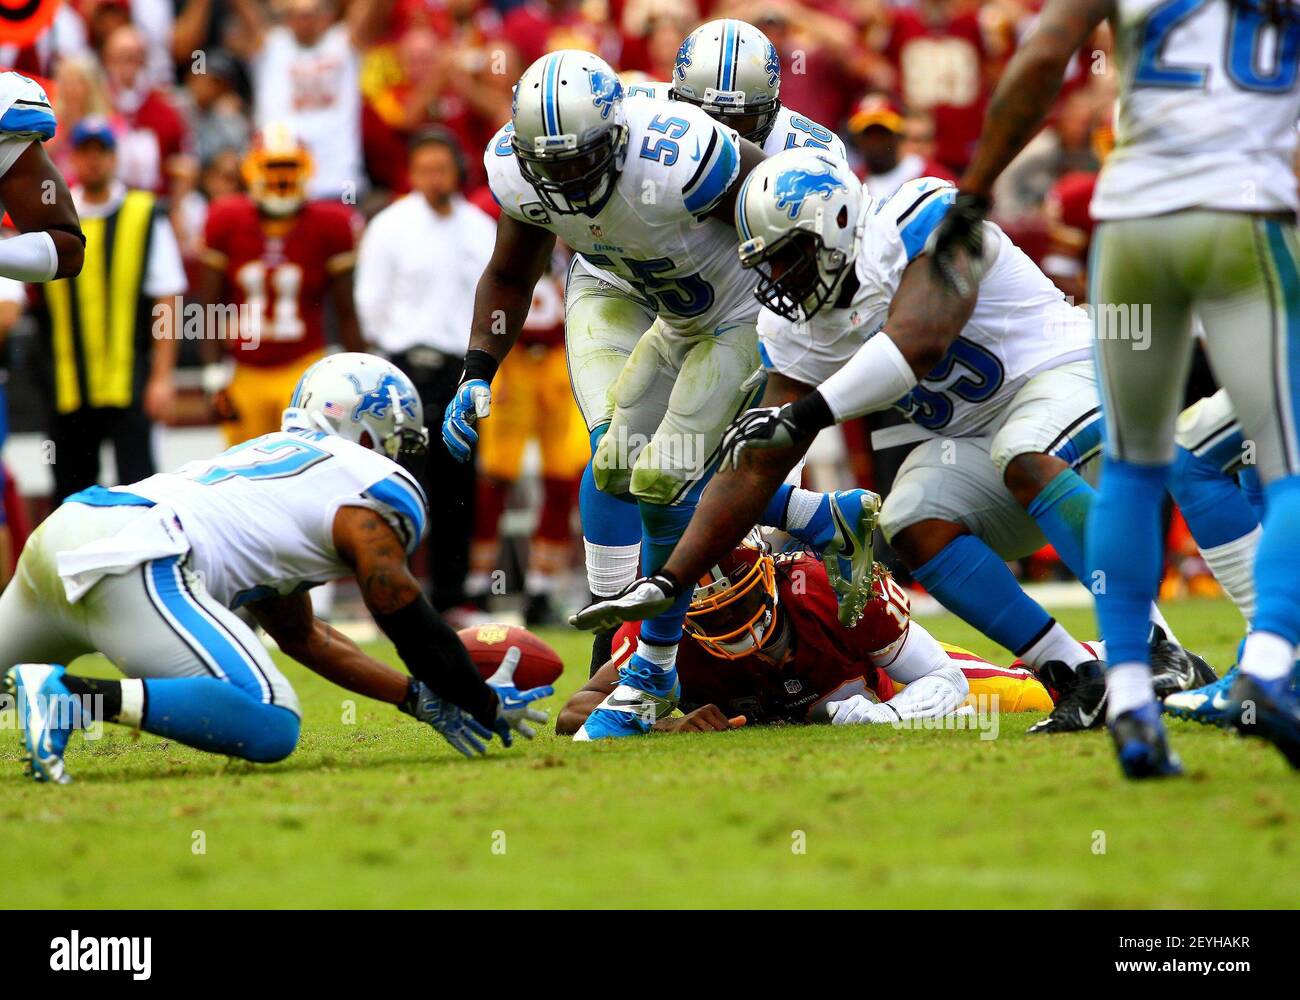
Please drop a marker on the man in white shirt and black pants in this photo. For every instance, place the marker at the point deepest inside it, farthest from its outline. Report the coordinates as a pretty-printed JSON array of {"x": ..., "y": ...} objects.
[{"x": 417, "y": 270}]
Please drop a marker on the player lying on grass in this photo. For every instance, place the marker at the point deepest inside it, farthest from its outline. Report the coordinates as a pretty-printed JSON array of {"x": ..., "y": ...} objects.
[
  {"x": 999, "y": 376},
  {"x": 763, "y": 641},
  {"x": 150, "y": 575}
]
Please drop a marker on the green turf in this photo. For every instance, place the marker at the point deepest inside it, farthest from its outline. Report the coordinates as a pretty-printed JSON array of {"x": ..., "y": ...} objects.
[{"x": 380, "y": 813}]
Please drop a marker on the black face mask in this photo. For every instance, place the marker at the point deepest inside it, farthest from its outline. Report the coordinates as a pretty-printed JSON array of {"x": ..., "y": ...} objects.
[
  {"x": 789, "y": 282},
  {"x": 753, "y": 123},
  {"x": 573, "y": 182}
]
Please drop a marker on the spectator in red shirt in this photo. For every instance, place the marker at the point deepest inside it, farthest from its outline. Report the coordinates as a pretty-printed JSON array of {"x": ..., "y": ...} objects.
[{"x": 154, "y": 130}]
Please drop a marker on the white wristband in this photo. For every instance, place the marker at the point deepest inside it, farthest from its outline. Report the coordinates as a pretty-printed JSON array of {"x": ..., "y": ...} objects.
[
  {"x": 29, "y": 257},
  {"x": 875, "y": 377}
]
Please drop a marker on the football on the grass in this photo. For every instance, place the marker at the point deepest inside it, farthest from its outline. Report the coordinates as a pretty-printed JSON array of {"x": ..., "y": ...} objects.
[{"x": 538, "y": 663}]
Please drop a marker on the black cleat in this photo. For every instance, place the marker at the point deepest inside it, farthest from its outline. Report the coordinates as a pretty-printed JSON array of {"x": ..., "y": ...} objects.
[
  {"x": 1174, "y": 668},
  {"x": 1141, "y": 745},
  {"x": 1082, "y": 704}
]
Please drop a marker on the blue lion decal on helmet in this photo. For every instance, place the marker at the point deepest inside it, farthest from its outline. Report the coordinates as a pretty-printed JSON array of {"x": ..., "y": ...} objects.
[
  {"x": 378, "y": 399},
  {"x": 772, "y": 66},
  {"x": 794, "y": 187},
  {"x": 605, "y": 91},
  {"x": 685, "y": 56}
]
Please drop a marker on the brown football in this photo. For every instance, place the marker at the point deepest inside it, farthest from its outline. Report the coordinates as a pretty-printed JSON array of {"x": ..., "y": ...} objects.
[{"x": 538, "y": 663}]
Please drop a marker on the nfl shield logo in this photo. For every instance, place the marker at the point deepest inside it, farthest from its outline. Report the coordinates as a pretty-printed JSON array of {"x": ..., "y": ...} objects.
[{"x": 597, "y": 232}]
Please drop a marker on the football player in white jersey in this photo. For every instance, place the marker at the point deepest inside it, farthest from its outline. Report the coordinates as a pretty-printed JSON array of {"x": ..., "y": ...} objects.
[
  {"x": 1196, "y": 211},
  {"x": 642, "y": 190},
  {"x": 49, "y": 243},
  {"x": 151, "y": 574},
  {"x": 999, "y": 378}
]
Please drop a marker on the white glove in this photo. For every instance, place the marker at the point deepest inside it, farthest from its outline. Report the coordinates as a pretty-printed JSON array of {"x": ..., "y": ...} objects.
[
  {"x": 643, "y": 598},
  {"x": 860, "y": 710}
]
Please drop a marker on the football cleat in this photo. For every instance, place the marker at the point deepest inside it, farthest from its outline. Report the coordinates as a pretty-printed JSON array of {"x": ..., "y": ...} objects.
[
  {"x": 643, "y": 696},
  {"x": 48, "y": 713},
  {"x": 849, "y": 555},
  {"x": 1269, "y": 710},
  {"x": 1207, "y": 705},
  {"x": 1140, "y": 742},
  {"x": 1082, "y": 702},
  {"x": 1174, "y": 668}
]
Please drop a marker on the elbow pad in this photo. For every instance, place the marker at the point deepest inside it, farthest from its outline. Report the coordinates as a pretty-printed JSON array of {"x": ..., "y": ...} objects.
[{"x": 434, "y": 654}]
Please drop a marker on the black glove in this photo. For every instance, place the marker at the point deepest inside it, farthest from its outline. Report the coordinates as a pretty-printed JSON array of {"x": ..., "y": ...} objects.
[{"x": 962, "y": 229}]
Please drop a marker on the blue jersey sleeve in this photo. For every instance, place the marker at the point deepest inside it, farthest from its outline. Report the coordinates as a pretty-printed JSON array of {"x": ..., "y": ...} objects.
[
  {"x": 917, "y": 209},
  {"x": 401, "y": 500},
  {"x": 719, "y": 164},
  {"x": 27, "y": 113}
]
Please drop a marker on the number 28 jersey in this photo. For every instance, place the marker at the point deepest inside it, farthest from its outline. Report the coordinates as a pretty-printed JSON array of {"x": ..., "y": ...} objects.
[
  {"x": 279, "y": 283},
  {"x": 259, "y": 517},
  {"x": 651, "y": 234},
  {"x": 1209, "y": 96},
  {"x": 1021, "y": 323}
]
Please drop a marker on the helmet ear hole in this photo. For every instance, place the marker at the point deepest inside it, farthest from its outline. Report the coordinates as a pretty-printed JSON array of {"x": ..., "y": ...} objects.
[
  {"x": 366, "y": 441},
  {"x": 842, "y": 219}
]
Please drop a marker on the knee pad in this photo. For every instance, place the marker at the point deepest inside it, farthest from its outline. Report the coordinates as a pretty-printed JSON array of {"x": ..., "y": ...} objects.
[{"x": 276, "y": 736}]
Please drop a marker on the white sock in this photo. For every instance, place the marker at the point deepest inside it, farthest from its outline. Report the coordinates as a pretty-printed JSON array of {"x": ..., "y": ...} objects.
[
  {"x": 660, "y": 657},
  {"x": 1056, "y": 644},
  {"x": 800, "y": 509},
  {"x": 1233, "y": 565},
  {"x": 1158, "y": 619},
  {"x": 1128, "y": 686},
  {"x": 1267, "y": 656},
  {"x": 610, "y": 568},
  {"x": 132, "y": 713}
]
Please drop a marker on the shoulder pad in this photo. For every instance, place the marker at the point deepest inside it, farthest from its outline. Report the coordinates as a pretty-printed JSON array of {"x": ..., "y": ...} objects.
[{"x": 25, "y": 110}]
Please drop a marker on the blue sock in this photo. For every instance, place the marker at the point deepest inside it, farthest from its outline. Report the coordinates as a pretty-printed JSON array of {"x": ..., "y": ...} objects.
[
  {"x": 212, "y": 715},
  {"x": 969, "y": 579},
  {"x": 1248, "y": 480},
  {"x": 774, "y": 515},
  {"x": 1061, "y": 511},
  {"x": 661, "y": 527},
  {"x": 1216, "y": 510},
  {"x": 1126, "y": 552},
  {"x": 1276, "y": 583},
  {"x": 606, "y": 519}
]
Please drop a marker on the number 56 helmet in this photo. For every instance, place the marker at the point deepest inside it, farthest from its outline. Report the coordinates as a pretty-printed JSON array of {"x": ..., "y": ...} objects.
[
  {"x": 364, "y": 399},
  {"x": 797, "y": 216},
  {"x": 731, "y": 70},
  {"x": 570, "y": 133}
]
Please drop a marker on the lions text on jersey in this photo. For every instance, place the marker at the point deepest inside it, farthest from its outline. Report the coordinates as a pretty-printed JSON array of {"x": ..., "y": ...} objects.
[
  {"x": 651, "y": 233},
  {"x": 1207, "y": 110},
  {"x": 1021, "y": 323}
]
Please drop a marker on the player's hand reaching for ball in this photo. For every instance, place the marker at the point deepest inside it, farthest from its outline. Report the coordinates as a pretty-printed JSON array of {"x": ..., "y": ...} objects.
[
  {"x": 643, "y": 598},
  {"x": 514, "y": 711},
  {"x": 457, "y": 726},
  {"x": 472, "y": 402}
]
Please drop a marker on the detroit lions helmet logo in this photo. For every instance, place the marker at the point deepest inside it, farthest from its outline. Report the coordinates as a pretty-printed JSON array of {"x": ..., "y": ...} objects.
[
  {"x": 605, "y": 92},
  {"x": 378, "y": 399},
  {"x": 773, "y": 66},
  {"x": 685, "y": 56},
  {"x": 794, "y": 187}
]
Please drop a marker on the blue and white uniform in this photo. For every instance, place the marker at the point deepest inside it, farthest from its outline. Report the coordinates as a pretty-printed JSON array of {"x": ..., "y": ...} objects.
[
  {"x": 149, "y": 574},
  {"x": 25, "y": 117}
]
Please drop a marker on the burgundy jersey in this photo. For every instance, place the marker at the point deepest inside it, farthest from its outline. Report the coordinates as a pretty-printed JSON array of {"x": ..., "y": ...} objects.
[{"x": 827, "y": 662}]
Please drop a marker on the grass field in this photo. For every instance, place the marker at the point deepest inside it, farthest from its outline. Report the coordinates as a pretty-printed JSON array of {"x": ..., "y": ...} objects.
[{"x": 380, "y": 813}]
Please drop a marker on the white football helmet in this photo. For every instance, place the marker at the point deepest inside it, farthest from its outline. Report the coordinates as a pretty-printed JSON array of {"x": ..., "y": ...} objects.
[
  {"x": 362, "y": 398},
  {"x": 731, "y": 70},
  {"x": 570, "y": 133},
  {"x": 797, "y": 215}
]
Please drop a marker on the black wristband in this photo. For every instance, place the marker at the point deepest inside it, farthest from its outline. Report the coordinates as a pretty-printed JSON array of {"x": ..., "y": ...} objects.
[
  {"x": 809, "y": 414},
  {"x": 479, "y": 364},
  {"x": 434, "y": 654}
]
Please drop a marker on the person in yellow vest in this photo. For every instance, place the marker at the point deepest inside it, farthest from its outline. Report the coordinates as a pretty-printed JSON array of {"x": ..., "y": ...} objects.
[{"x": 108, "y": 335}]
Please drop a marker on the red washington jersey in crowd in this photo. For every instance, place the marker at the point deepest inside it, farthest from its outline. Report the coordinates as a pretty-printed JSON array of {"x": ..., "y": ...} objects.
[
  {"x": 829, "y": 662},
  {"x": 282, "y": 280}
]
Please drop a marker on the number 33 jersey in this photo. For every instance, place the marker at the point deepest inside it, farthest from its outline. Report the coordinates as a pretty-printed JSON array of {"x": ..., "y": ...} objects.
[
  {"x": 1021, "y": 323},
  {"x": 259, "y": 517},
  {"x": 650, "y": 234},
  {"x": 279, "y": 283}
]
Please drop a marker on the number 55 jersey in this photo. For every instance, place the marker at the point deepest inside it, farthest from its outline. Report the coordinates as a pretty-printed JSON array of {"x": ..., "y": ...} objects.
[
  {"x": 256, "y": 521},
  {"x": 1021, "y": 324}
]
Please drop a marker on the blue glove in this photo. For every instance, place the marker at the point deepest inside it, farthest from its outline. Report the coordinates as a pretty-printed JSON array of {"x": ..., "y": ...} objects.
[
  {"x": 457, "y": 727},
  {"x": 513, "y": 711},
  {"x": 472, "y": 402}
]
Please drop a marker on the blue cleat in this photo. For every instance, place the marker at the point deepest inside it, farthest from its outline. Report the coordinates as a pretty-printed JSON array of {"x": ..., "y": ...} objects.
[
  {"x": 849, "y": 555},
  {"x": 48, "y": 713},
  {"x": 1207, "y": 705},
  {"x": 643, "y": 696},
  {"x": 1270, "y": 710},
  {"x": 1141, "y": 745}
]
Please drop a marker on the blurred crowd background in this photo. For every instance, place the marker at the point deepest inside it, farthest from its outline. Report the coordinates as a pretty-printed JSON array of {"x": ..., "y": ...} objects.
[{"x": 167, "y": 97}]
